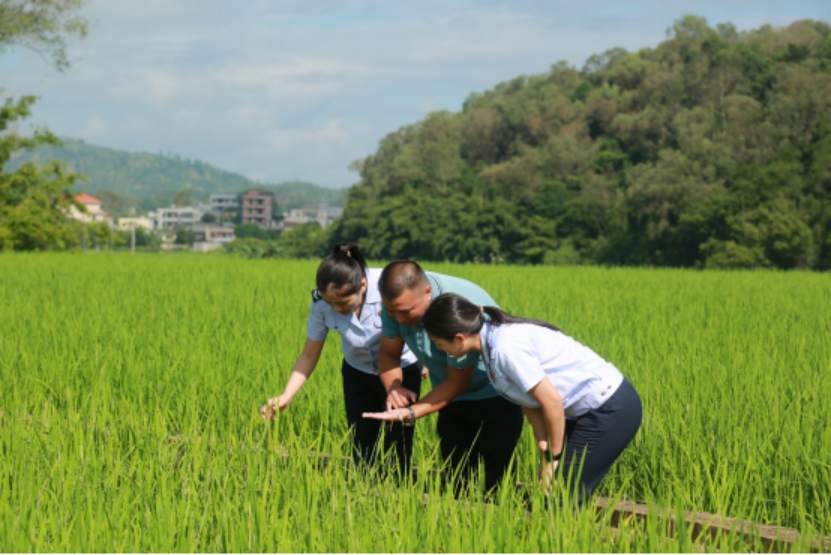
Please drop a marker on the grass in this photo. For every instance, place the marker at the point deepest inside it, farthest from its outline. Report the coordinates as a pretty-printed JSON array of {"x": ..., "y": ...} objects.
[{"x": 131, "y": 385}]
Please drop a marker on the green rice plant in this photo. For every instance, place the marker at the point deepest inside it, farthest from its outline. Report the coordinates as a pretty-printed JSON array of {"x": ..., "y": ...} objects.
[{"x": 131, "y": 388}]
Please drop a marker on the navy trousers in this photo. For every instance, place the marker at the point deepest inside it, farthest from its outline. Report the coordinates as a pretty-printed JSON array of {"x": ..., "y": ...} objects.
[
  {"x": 485, "y": 430},
  {"x": 598, "y": 437},
  {"x": 364, "y": 392}
]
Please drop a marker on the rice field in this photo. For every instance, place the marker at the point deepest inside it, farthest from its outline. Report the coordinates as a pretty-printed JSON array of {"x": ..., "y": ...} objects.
[{"x": 131, "y": 386}]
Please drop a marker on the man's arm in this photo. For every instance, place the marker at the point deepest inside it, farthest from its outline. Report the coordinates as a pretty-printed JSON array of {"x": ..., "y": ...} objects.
[
  {"x": 392, "y": 376},
  {"x": 456, "y": 383}
]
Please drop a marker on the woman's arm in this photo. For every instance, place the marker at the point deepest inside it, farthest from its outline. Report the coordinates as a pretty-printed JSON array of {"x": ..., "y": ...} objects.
[
  {"x": 456, "y": 383},
  {"x": 549, "y": 425},
  {"x": 300, "y": 372},
  {"x": 553, "y": 416}
]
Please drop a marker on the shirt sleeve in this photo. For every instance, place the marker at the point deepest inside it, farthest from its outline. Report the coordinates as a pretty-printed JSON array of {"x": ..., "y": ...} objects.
[
  {"x": 520, "y": 365},
  {"x": 316, "y": 326},
  {"x": 389, "y": 326}
]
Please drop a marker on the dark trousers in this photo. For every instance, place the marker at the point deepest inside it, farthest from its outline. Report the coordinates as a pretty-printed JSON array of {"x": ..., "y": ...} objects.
[
  {"x": 486, "y": 430},
  {"x": 364, "y": 392},
  {"x": 596, "y": 438}
]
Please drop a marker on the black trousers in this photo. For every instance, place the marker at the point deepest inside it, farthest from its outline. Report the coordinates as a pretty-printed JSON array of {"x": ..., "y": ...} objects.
[
  {"x": 598, "y": 437},
  {"x": 486, "y": 430},
  {"x": 364, "y": 392}
]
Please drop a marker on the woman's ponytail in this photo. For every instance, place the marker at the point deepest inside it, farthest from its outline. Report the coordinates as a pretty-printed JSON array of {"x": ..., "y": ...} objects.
[
  {"x": 450, "y": 314},
  {"x": 345, "y": 267},
  {"x": 499, "y": 317}
]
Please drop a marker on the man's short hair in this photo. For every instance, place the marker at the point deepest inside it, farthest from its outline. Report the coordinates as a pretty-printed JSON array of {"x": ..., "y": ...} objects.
[{"x": 398, "y": 276}]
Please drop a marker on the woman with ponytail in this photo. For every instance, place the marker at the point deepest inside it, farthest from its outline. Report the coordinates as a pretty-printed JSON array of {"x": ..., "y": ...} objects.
[
  {"x": 347, "y": 300},
  {"x": 582, "y": 410}
]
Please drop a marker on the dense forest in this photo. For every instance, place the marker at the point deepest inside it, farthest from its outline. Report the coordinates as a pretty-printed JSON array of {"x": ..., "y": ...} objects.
[
  {"x": 147, "y": 181},
  {"x": 712, "y": 149}
]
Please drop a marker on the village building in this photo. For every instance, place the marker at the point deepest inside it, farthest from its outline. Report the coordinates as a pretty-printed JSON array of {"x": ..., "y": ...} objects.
[
  {"x": 323, "y": 215},
  {"x": 138, "y": 222},
  {"x": 93, "y": 211},
  {"x": 224, "y": 202},
  {"x": 211, "y": 237},
  {"x": 175, "y": 217},
  {"x": 257, "y": 208}
]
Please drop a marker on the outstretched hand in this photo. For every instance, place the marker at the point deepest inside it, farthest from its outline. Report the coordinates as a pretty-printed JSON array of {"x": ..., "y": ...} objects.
[{"x": 394, "y": 415}]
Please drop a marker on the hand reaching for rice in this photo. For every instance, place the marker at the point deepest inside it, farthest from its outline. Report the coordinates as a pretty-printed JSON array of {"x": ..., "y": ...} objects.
[{"x": 274, "y": 405}]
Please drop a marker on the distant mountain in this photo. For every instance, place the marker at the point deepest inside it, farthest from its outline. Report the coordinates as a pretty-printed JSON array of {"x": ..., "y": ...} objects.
[{"x": 148, "y": 181}]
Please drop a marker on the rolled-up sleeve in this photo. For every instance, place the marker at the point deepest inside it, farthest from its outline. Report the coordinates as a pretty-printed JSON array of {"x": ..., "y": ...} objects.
[
  {"x": 316, "y": 326},
  {"x": 389, "y": 326},
  {"x": 521, "y": 366}
]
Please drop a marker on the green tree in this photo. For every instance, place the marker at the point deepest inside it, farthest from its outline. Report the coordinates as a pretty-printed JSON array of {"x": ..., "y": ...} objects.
[
  {"x": 184, "y": 236},
  {"x": 711, "y": 149},
  {"x": 307, "y": 240},
  {"x": 114, "y": 204},
  {"x": 34, "y": 200},
  {"x": 254, "y": 231},
  {"x": 42, "y": 26},
  {"x": 183, "y": 198}
]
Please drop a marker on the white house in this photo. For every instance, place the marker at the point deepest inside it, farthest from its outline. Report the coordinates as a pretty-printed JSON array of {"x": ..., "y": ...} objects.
[
  {"x": 323, "y": 215},
  {"x": 93, "y": 211},
  {"x": 224, "y": 202},
  {"x": 175, "y": 217},
  {"x": 211, "y": 237},
  {"x": 139, "y": 222}
]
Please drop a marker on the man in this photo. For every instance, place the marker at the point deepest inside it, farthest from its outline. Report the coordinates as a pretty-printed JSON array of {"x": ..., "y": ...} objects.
[{"x": 475, "y": 423}]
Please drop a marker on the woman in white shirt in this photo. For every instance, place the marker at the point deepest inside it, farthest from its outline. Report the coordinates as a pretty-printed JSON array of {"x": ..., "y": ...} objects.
[
  {"x": 582, "y": 410},
  {"x": 347, "y": 300}
]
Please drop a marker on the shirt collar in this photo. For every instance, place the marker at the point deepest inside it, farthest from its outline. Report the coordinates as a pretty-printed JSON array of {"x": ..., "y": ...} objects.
[
  {"x": 486, "y": 340},
  {"x": 373, "y": 294},
  {"x": 434, "y": 284}
]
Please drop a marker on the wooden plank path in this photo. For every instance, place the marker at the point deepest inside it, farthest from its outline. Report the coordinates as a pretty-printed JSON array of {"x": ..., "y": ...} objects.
[
  {"x": 774, "y": 538},
  {"x": 699, "y": 524}
]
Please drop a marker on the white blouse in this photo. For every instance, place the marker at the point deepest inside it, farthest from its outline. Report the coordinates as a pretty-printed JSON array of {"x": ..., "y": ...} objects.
[
  {"x": 519, "y": 356},
  {"x": 360, "y": 335}
]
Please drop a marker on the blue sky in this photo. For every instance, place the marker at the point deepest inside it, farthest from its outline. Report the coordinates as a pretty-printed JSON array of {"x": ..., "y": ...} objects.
[{"x": 283, "y": 90}]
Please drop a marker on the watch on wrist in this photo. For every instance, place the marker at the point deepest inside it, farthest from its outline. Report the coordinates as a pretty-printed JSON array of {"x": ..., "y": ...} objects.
[
  {"x": 411, "y": 417},
  {"x": 551, "y": 457}
]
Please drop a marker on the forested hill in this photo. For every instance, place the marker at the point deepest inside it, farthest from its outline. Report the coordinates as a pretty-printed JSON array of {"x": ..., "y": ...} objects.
[
  {"x": 712, "y": 149},
  {"x": 148, "y": 181}
]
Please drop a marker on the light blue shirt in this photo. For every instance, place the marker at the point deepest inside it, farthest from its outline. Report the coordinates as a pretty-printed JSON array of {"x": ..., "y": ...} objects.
[
  {"x": 437, "y": 361},
  {"x": 360, "y": 334}
]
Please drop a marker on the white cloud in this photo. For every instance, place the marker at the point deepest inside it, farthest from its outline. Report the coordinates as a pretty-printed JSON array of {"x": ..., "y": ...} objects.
[
  {"x": 325, "y": 135},
  {"x": 303, "y": 68},
  {"x": 95, "y": 128},
  {"x": 301, "y": 78},
  {"x": 161, "y": 86},
  {"x": 295, "y": 89}
]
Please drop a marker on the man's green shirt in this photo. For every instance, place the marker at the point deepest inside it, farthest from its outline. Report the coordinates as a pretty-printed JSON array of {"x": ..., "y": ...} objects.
[{"x": 437, "y": 361}]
